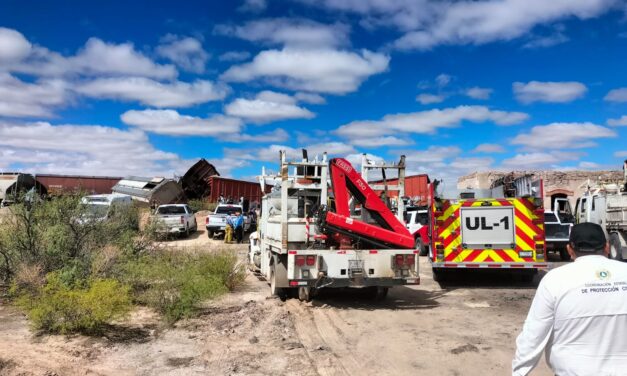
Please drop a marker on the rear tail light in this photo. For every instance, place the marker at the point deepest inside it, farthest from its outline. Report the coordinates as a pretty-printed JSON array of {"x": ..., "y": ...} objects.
[
  {"x": 182, "y": 220},
  {"x": 300, "y": 260},
  {"x": 399, "y": 260},
  {"x": 311, "y": 260},
  {"x": 207, "y": 220},
  {"x": 411, "y": 259}
]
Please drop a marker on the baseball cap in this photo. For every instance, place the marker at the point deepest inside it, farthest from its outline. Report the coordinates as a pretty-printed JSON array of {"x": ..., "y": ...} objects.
[{"x": 587, "y": 236}]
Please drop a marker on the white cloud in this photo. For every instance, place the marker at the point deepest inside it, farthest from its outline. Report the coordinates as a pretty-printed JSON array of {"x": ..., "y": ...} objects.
[
  {"x": 170, "y": 122},
  {"x": 432, "y": 154},
  {"x": 429, "y": 23},
  {"x": 81, "y": 149},
  {"x": 355, "y": 159},
  {"x": 478, "y": 92},
  {"x": 322, "y": 70},
  {"x": 96, "y": 58},
  {"x": 538, "y": 160},
  {"x": 617, "y": 95},
  {"x": 479, "y": 22},
  {"x": 563, "y": 136},
  {"x": 234, "y": 56},
  {"x": 547, "y": 41},
  {"x": 277, "y": 135},
  {"x": 271, "y": 153},
  {"x": 39, "y": 99},
  {"x": 299, "y": 33},
  {"x": 621, "y": 154},
  {"x": 620, "y": 122},
  {"x": 426, "y": 98},
  {"x": 186, "y": 52},
  {"x": 268, "y": 106},
  {"x": 376, "y": 142},
  {"x": 254, "y": 6},
  {"x": 443, "y": 79},
  {"x": 13, "y": 45},
  {"x": 489, "y": 148},
  {"x": 311, "y": 98},
  {"x": 552, "y": 92},
  {"x": 588, "y": 165},
  {"x": 154, "y": 93},
  {"x": 428, "y": 122}
]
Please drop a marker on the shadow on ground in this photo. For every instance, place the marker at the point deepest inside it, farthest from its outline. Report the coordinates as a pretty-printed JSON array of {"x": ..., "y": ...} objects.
[{"x": 399, "y": 298}]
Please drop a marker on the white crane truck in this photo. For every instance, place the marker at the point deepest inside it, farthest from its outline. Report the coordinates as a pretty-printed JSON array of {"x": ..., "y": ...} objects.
[
  {"x": 605, "y": 203},
  {"x": 310, "y": 238}
]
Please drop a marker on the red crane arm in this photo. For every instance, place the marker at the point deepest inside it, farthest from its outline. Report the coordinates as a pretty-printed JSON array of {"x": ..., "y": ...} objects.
[{"x": 347, "y": 181}]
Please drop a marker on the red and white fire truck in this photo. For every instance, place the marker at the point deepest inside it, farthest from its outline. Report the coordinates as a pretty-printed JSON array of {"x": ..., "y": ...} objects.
[{"x": 505, "y": 229}]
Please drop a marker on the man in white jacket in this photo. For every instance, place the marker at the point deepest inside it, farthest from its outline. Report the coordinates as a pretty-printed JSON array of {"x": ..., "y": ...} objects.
[{"x": 579, "y": 314}]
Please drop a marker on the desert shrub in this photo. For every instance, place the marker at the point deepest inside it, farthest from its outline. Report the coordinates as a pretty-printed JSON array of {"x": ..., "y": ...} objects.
[
  {"x": 175, "y": 283},
  {"x": 58, "y": 236},
  {"x": 197, "y": 204},
  {"x": 211, "y": 206},
  {"x": 59, "y": 308}
]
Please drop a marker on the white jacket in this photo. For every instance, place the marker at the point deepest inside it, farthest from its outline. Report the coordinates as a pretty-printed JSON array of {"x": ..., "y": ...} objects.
[{"x": 579, "y": 317}]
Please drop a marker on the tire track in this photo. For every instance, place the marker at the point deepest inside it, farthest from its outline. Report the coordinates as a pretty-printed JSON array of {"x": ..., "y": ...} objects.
[{"x": 327, "y": 363}]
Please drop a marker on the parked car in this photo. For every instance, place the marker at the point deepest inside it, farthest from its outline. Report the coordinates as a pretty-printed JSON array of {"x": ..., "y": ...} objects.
[
  {"x": 175, "y": 219},
  {"x": 101, "y": 207},
  {"x": 216, "y": 222}
]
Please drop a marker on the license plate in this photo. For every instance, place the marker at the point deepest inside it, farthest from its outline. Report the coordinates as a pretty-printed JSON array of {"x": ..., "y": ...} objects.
[
  {"x": 525, "y": 254},
  {"x": 356, "y": 266},
  {"x": 487, "y": 227}
]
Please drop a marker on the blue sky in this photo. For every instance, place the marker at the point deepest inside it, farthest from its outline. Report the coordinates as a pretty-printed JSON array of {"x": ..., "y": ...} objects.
[{"x": 148, "y": 87}]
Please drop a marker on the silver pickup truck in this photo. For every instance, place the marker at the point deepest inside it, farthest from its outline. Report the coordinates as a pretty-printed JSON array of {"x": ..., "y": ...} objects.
[{"x": 175, "y": 219}]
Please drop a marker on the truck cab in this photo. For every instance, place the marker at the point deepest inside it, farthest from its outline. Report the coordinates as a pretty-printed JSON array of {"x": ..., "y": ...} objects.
[
  {"x": 417, "y": 222},
  {"x": 606, "y": 205}
]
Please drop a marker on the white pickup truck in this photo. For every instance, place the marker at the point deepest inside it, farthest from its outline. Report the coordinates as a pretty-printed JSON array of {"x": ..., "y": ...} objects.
[
  {"x": 178, "y": 219},
  {"x": 216, "y": 221}
]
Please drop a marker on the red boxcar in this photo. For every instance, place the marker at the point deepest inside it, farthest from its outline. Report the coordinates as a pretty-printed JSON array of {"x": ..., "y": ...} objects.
[
  {"x": 416, "y": 187},
  {"x": 58, "y": 184},
  {"x": 234, "y": 189}
]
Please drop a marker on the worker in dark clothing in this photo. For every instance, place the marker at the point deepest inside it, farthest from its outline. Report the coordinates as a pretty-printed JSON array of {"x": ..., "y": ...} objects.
[{"x": 238, "y": 227}]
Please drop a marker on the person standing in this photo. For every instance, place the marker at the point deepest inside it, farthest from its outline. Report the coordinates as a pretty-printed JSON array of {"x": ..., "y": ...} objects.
[
  {"x": 228, "y": 229},
  {"x": 578, "y": 316},
  {"x": 238, "y": 227}
]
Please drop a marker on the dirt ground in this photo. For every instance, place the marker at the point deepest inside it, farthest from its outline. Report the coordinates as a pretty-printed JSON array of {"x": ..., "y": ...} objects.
[{"x": 460, "y": 328}]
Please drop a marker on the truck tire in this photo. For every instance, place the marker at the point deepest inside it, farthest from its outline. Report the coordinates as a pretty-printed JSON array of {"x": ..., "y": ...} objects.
[
  {"x": 420, "y": 246},
  {"x": 616, "y": 249},
  {"x": 438, "y": 274},
  {"x": 377, "y": 293},
  {"x": 528, "y": 275},
  {"x": 274, "y": 290},
  {"x": 210, "y": 234},
  {"x": 305, "y": 294}
]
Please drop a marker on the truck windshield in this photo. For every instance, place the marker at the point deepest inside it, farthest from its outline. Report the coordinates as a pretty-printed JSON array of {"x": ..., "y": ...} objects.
[
  {"x": 228, "y": 210},
  {"x": 97, "y": 211},
  {"x": 171, "y": 210}
]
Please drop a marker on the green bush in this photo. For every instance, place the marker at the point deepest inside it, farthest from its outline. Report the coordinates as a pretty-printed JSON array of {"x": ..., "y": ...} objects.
[
  {"x": 58, "y": 308},
  {"x": 175, "y": 283}
]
